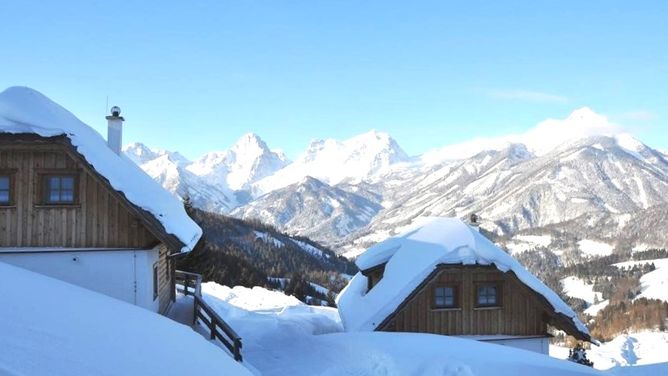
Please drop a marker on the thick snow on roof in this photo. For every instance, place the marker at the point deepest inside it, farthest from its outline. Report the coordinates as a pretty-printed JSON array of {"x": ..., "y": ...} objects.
[
  {"x": 412, "y": 256},
  {"x": 24, "y": 110},
  {"x": 50, "y": 327}
]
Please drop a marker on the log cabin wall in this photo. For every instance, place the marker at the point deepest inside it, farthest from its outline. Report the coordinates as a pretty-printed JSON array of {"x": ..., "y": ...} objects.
[
  {"x": 520, "y": 311},
  {"x": 164, "y": 279},
  {"x": 98, "y": 220}
]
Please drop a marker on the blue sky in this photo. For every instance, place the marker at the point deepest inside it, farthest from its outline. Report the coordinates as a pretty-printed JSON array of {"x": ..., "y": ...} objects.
[{"x": 195, "y": 76}]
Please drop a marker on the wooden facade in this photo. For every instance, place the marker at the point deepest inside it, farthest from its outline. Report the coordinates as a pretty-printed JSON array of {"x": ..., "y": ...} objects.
[
  {"x": 518, "y": 312},
  {"x": 165, "y": 277},
  {"x": 99, "y": 218}
]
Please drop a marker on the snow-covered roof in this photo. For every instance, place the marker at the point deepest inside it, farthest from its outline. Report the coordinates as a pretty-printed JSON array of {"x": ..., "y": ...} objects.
[
  {"x": 412, "y": 256},
  {"x": 24, "y": 110}
]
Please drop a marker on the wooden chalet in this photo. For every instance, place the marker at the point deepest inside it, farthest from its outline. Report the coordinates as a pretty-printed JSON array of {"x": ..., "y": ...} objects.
[
  {"x": 73, "y": 208},
  {"x": 444, "y": 277}
]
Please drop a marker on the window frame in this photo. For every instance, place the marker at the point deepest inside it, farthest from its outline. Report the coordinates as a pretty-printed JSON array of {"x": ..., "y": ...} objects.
[
  {"x": 499, "y": 293},
  {"x": 43, "y": 191},
  {"x": 11, "y": 175},
  {"x": 456, "y": 304}
]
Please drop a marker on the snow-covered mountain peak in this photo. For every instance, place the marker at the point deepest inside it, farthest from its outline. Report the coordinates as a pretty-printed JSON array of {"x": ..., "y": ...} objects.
[
  {"x": 585, "y": 114},
  {"x": 358, "y": 158},
  {"x": 247, "y": 161},
  {"x": 141, "y": 154},
  {"x": 250, "y": 143}
]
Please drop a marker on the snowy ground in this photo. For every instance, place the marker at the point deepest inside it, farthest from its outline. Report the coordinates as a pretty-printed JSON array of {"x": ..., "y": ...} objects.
[
  {"x": 282, "y": 336},
  {"x": 653, "y": 285},
  {"x": 578, "y": 288},
  {"x": 49, "y": 327},
  {"x": 595, "y": 248},
  {"x": 625, "y": 350}
]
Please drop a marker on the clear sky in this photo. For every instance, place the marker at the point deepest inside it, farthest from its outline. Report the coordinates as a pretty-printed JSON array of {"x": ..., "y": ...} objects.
[{"x": 194, "y": 76}]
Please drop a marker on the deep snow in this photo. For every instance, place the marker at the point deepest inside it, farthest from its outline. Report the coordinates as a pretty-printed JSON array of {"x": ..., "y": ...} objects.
[
  {"x": 49, "y": 327},
  {"x": 625, "y": 350},
  {"x": 283, "y": 336}
]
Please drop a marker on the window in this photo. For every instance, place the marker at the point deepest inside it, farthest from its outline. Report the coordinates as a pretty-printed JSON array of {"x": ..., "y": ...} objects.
[
  {"x": 155, "y": 280},
  {"x": 488, "y": 296},
  {"x": 5, "y": 190},
  {"x": 445, "y": 297},
  {"x": 59, "y": 189}
]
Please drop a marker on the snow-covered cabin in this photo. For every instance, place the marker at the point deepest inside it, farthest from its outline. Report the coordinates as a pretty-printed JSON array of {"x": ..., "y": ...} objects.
[
  {"x": 73, "y": 207},
  {"x": 442, "y": 276}
]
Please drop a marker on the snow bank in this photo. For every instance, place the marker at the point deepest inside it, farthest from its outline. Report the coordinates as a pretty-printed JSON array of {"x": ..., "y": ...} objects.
[
  {"x": 412, "y": 256},
  {"x": 577, "y": 288},
  {"x": 23, "y": 110},
  {"x": 595, "y": 248},
  {"x": 256, "y": 313},
  {"x": 50, "y": 327},
  {"x": 626, "y": 350}
]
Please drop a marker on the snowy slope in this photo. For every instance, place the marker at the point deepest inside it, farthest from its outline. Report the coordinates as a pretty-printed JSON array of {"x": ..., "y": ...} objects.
[
  {"x": 577, "y": 288},
  {"x": 626, "y": 350},
  {"x": 312, "y": 208},
  {"x": 23, "y": 110},
  {"x": 653, "y": 285},
  {"x": 54, "y": 328},
  {"x": 513, "y": 190}
]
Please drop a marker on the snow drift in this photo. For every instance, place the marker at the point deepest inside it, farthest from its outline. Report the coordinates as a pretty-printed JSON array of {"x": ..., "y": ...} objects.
[{"x": 51, "y": 327}]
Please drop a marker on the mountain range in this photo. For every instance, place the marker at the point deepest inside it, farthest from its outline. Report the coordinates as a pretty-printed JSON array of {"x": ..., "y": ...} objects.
[{"x": 571, "y": 175}]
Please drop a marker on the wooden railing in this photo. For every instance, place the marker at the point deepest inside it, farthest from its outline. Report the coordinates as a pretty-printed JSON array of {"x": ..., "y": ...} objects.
[{"x": 190, "y": 284}]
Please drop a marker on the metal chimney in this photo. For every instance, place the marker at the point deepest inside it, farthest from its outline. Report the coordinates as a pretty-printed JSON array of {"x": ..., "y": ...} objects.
[{"x": 115, "y": 130}]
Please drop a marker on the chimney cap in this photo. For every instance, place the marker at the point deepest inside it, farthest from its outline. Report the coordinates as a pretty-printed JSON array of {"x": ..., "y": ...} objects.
[{"x": 116, "y": 111}]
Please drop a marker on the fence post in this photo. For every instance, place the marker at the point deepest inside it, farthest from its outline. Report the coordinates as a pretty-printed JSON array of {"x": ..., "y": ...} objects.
[
  {"x": 237, "y": 349},
  {"x": 186, "y": 279},
  {"x": 212, "y": 327},
  {"x": 194, "y": 311}
]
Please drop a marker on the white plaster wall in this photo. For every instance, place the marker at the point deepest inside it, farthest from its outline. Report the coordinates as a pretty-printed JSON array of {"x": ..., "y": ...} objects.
[
  {"x": 113, "y": 273},
  {"x": 540, "y": 345}
]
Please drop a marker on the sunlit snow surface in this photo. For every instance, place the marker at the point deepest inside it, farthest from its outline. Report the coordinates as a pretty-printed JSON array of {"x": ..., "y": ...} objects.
[
  {"x": 49, "y": 327},
  {"x": 285, "y": 337},
  {"x": 653, "y": 285},
  {"x": 626, "y": 350}
]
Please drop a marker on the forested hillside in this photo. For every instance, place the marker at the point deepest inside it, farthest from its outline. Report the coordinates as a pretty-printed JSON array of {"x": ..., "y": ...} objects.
[
  {"x": 614, "y": 294},
  {"x": 235, "y": 252}
]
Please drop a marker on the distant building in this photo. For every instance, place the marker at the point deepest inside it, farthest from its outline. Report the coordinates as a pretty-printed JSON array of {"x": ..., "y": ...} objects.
[
  {"x": 444, "y": 277},
  {"x": 74, "y": 208}
]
